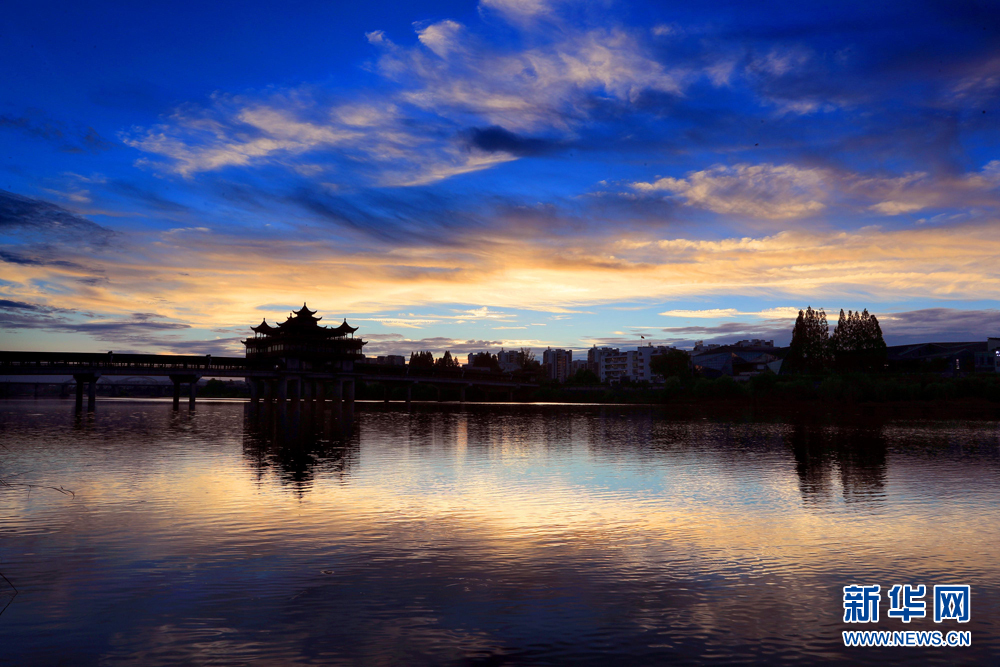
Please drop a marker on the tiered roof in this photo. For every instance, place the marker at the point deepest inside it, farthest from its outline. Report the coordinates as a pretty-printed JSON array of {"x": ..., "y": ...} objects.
[{"x": 303, "y": 322}]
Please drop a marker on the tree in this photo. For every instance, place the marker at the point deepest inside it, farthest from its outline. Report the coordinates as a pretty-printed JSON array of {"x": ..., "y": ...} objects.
[
  {"x": 421, "y": 359},
  {"x": 486, "y": 360},
  {"x": 584, "y": 376},
  {"x": 526, "y": 359},
  {"x": 857, "y": 343},
  {"x": 672, "y": 363},
  {"x": 809, "y": 351},
  {"x": 447, "y": 361}
]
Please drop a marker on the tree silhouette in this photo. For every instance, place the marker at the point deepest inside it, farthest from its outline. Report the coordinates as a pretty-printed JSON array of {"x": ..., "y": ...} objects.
[
  {"x": 809, "y": 351},
  {"x": 672, "y": 363},
  {"x": 421, "y": 359},
  {"x": 857, "y": 343},
  {"x": 486, "y": 360},
  {"x": 447, "y": 361},
  {"x": 526, "y": 359}
]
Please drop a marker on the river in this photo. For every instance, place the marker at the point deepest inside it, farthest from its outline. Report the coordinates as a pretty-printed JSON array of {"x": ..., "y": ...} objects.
[{"x": 485, "y": 534}]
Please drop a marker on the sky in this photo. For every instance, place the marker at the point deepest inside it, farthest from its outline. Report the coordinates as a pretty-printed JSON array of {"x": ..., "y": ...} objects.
[{"x": 510, "y": 173}]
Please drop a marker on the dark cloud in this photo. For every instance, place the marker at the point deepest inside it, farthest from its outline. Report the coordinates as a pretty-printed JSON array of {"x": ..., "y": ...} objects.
[
  {"x": 37, "y": 217},
  {"x": 16, "y": 305},
  {"x": 141, "y": 328},
  {"x": 24, "y": 260},
  {"x": 756, "y": 329},
  {"x": 220, "y": 347},
  {"x": 111, "y": 330},
  {"x": 94, "y": 280},
  {"x": 389, "y": 218},
  {"x": 941, "y": 325},
  {"x": 496, "y": 139},
  {"x": 37, "y": 125}
]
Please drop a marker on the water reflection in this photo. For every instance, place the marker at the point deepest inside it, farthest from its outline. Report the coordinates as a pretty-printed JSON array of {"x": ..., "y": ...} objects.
[
  {"x": 857, "y": 451},
  {"x": 482, "y": 534},
  {"x": 297, "y": 442}
]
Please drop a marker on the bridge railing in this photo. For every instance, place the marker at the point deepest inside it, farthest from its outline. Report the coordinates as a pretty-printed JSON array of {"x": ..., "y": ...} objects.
[{"x": 23, "y": 361}]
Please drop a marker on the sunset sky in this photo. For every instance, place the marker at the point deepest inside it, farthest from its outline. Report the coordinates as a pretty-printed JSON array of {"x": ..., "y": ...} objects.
[{"x": 466, "y": 176}]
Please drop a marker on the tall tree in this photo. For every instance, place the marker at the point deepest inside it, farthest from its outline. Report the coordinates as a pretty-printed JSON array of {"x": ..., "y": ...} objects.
[
  {"x": 486, "y": 360},
  {"x": 857, "y": 342},
  {"x": 809, "y": 351},
  {"x": 421, "y": 359},
  {"x": 672, "y": 363},
  {"x": 447, "y": 361}
]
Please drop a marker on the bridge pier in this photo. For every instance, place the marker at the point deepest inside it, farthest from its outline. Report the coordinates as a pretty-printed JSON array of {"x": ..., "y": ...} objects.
[
  {"x": 348, "y": 410},
  {"x": 385, "y": 392},
  {"x": 338, "y": 398},
  {"x": 191, "y": 381},
  {"x": 409, "y": 393},
  {"x": 90, "y": 379},
  {"x": 461, "y": 394},
  {"x": 254, "y": 390}
]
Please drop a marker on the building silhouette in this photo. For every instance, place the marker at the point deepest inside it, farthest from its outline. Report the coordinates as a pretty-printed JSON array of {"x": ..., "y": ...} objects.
[{"x": 300, "y": 343}]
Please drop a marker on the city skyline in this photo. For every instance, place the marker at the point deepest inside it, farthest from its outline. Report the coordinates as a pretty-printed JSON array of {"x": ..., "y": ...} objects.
[{"x": 510, "y": 173}]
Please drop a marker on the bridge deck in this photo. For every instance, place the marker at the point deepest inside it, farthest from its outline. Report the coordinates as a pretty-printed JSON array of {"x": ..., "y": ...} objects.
[{"x": 75, "y": 363}]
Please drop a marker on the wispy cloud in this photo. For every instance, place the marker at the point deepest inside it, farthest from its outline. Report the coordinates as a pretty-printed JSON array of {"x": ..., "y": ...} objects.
[
  {"x": 455, "y": 102},
  {"x": 784, "y": 192}
]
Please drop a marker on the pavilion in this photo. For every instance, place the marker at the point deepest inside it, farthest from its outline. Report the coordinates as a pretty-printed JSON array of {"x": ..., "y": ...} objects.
[{"x": 300, "y": 343}]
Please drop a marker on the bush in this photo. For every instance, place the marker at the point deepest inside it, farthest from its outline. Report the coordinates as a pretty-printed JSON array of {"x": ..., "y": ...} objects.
[{"x": 723, "y": 387}]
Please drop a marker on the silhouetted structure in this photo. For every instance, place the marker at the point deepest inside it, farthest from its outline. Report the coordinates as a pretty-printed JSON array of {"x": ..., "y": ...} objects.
[
  {"x": 301, "y": 343},
  {"x": 297, "y": 360}
]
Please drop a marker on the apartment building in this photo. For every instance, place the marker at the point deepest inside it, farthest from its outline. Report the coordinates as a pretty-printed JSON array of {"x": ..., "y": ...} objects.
[
  {"x": 633, "y": 365},
  {"x": 557, "y": 363}
]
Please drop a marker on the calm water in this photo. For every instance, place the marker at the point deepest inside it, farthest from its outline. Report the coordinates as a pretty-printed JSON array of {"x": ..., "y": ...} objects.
[{"x": 482, "y": 534}]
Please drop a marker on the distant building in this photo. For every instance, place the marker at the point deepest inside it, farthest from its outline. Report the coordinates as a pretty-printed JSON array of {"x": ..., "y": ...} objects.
[
  {"x": 509, "y": 360},
  {"x": 557, "y": 363},
  {"x": 577, "y": 366},
  {"x": 632, "y": 365},
  {"x": 941, "y": 357},
  {"x": 613, "y": 366},
  {"x": 390, "y": 360},
  {"x": 756, "y": 342},
  {"x": 595, "y": 355},
  {"x": 740, "y": 362}
]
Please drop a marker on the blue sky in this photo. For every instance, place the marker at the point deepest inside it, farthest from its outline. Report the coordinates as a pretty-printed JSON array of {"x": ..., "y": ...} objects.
[{"x": 512, "y": 173}]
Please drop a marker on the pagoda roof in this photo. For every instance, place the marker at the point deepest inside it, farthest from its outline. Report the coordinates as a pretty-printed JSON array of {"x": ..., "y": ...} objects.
[
  {"x": 304, "y": 323},
  {"x": 301, "y": 317},
  {"x": 305, "y": 312},
  {"x": 263, "y": 327},
  {"x": 345, "y": 328}
]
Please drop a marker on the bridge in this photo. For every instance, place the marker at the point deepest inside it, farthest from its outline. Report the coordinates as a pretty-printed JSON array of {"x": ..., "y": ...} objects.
[{"x": 336, "y": 383}]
